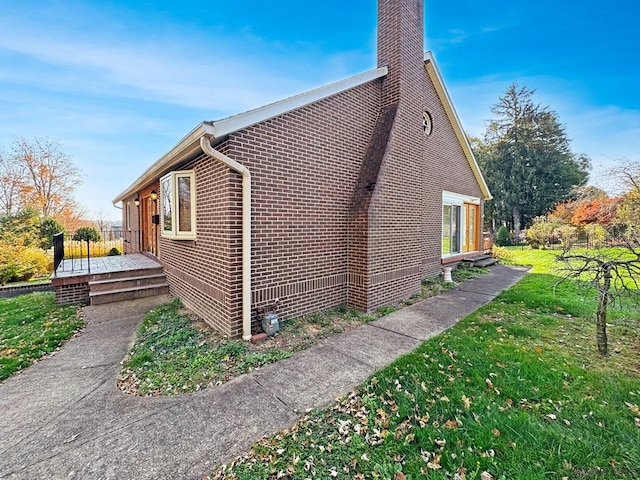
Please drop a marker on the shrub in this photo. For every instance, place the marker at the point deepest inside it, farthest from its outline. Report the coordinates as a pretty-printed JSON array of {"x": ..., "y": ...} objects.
[
  {"x": 19, "y": 263},
  {"x": 567, "y": 235},
  {"x": 21, "y": 228},
  {"x": 48, "y": 228},
  {"x": 88, "y": 234},
  {"x": 98, "y": 249},
  {"x": 502, "y": 237},
  {"x": 9, "y": 262},
  {"x": 596, "y": 233},
  {"x": 114, "y": 252},
  {"x": 34, "y": 262},
  {"x": 502, "y": 253},
  {"x": 541, "y": 232}
]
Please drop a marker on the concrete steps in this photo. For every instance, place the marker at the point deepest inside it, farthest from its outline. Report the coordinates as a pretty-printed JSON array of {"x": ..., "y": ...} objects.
[
  {"x": 127, "y": 285},
  {"x": 480, "y": 261}
]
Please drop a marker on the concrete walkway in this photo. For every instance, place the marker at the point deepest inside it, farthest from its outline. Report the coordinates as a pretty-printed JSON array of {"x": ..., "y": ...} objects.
[{"x": 64, "y": 417}]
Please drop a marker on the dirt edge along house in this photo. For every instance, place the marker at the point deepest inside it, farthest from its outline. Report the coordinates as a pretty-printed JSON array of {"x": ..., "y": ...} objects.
[{"x": 350, "y": 193}]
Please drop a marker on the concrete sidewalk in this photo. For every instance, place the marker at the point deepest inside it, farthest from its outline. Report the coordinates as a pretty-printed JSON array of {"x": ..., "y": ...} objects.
[{"x": 65, "y": 418}]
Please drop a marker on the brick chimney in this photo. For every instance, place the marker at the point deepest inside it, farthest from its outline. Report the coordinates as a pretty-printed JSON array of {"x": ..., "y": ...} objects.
[
  {"x": 400, "y": 46},
  {"x": 384, "y": 251}
]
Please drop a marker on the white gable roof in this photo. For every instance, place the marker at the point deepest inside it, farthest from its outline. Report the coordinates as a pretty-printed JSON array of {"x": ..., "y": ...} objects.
[
  {"x": 222, "y": 128},
  {"x": 190, "y": 144}
]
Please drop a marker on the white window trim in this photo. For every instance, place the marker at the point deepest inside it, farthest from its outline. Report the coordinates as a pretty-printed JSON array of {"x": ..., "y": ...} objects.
[
  {"x": 174, "y": 233},
  {"x": 127, "y": 216},
  {"x": 457, "y": 199}
]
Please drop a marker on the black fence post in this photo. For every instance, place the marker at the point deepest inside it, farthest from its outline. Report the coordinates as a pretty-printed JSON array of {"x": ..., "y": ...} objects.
[
  {"x": 58, "y": 250},
  {"x": 88, "y": 256}
]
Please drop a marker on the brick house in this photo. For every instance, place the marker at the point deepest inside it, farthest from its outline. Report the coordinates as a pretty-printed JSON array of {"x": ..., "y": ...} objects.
[{"x": 350, "y": 193}]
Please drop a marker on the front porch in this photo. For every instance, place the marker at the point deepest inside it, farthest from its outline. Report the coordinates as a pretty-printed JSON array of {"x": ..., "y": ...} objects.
[{"x": 108, "y": 279}]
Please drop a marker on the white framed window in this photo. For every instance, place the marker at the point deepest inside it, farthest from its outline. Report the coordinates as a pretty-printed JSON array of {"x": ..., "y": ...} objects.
[
  {"x": 460, "y": 219},
  {"x": 451, "y": 214},
  {"x": 178, "y": 205}
]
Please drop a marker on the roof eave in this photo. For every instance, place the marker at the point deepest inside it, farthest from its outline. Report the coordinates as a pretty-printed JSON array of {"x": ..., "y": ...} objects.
[
  {"x": 186, "y": 147},
  {"x": 436, "y": 78},
  {"x": 226, "y": 126},
  {"x": 219, "y": 129}
]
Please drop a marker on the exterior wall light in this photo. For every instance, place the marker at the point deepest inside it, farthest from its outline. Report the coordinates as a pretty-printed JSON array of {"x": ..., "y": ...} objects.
[
  {"x": 154, "y": 195},
  {"x": 137, "y": 201}
]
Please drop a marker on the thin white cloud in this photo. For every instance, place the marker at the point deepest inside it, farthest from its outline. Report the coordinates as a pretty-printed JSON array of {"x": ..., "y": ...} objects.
[
  {"x": 223, "y": 75},
  {"x": 456, "y": 36}
]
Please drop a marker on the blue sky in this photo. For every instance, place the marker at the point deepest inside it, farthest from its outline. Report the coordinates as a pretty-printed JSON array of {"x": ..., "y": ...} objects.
[{"x": 119, "y": 83}]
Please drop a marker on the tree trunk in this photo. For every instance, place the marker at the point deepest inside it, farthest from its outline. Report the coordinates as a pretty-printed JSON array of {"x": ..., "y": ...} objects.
[
  {"x": 601, "y": 314},
  {"x": 517, "y": 219}
]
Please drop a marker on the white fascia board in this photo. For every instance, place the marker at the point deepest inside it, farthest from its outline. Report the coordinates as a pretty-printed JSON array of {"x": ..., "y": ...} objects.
[
  {"x": 462, "y": 137},
  {"x": 234, "y": 123}
]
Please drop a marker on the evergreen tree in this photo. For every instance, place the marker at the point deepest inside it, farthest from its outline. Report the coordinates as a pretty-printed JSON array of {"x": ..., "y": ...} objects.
[{"x": 527, "y": 160}]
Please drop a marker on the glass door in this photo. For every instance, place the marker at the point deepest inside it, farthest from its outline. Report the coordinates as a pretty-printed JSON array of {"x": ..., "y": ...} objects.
[{"x": 471, "y": 216}]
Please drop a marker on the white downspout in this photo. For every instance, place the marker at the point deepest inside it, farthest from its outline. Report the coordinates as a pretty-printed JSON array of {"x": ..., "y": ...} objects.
[{"x": 205, "y": 143}]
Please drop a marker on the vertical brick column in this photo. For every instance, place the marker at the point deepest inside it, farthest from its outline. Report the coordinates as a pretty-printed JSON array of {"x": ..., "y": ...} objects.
[
  {"x": 386, "y": 225},
  {"x": 401, "y": 48}
]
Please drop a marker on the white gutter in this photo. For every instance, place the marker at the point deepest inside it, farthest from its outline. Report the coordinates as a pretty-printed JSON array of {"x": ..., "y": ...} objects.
[{"x": 205, "y": 143}]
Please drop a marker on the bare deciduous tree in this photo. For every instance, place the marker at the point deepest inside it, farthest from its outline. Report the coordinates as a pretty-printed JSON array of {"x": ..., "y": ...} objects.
[
  {"x": 11, "y": 183},
  {"x": 627, "y": 175},
  {"x": 615, "y": 273},
  {"x": 49, "y": 176}
]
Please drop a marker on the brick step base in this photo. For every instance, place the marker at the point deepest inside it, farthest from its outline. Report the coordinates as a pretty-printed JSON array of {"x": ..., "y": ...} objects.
[
  {"x": 105, "y": 285},
  {"x": 118, "y": 295}
]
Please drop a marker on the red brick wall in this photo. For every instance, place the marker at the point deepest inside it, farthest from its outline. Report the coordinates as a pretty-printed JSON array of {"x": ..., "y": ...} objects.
[
  {"x": 304, "y": 168},
  {"x": 205, "y": 273},
  {"x": 396, "y": 210},
  {"x": 71, "y": 290},
  {"x": 446, "y": 167}
]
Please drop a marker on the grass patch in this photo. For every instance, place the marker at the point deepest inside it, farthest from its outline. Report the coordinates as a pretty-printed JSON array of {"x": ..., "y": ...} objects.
[
  {"x": 33, "y": 281},
  {"x": 174, "y": 354},
  {"x": 32, "y": 326},
  {"x": 516, "y": 390},
  {"x": 464, "y": 272}
]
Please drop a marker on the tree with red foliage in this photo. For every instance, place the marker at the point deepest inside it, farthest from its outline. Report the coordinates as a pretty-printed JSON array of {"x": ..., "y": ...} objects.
[{"x": 602, "y": 211}]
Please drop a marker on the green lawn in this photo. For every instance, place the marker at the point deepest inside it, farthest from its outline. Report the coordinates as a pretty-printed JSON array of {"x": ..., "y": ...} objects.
[
  {"x": 516, "y": 390},
  {"x": 32, "y": 326}
]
